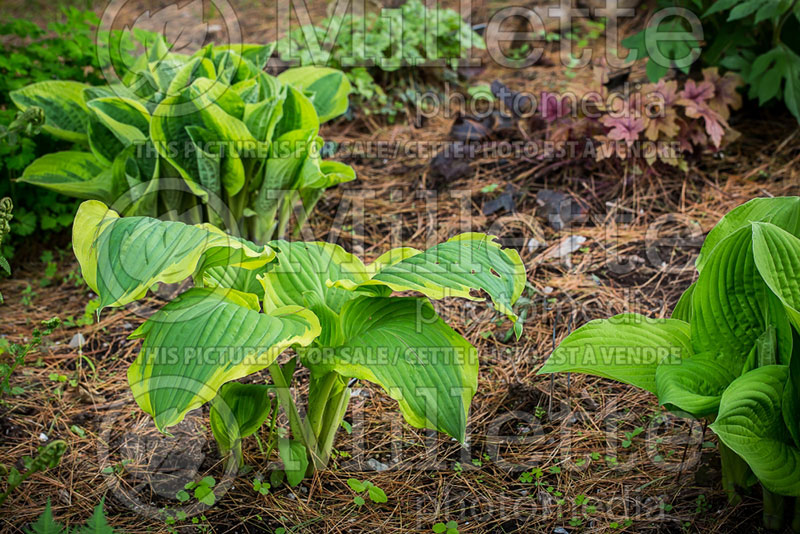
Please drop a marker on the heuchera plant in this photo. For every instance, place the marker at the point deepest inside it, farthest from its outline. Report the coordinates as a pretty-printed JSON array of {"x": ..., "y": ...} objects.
[
  {"x": 755, "y": 38},
  {"x": 250, "y": 303},
  {"x": 207, "y": 137},
  {"x": 660, "y": 122},
  {"x": 727, "y": 355}
]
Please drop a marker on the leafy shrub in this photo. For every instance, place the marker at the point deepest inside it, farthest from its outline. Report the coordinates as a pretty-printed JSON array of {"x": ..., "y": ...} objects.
[
  {"x": 252, "y": 302},
  {"x": 436, "y": 36},
  {"x": 728, "y": 354},
  {"x": 758, "y": 39},
  {"x": 242, "y": 145}
]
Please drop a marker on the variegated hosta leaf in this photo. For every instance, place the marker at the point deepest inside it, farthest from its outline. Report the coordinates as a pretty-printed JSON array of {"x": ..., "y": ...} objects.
[
  {"x": 65, "y": 114},
  {"x": 288, "y": 154},
  {"x": 298, "y": 113},
  {"x": 782, "y": 211},
  {"x": 121, "y": 258},
  {"x": 301, "y": 269},
  {"x": 401, "y": 344},
  {"x": 750, "y": 423},
  {"x": 257, "y": 54},
  {"x": 329, "y": 88},
  {"x": 627, "y": 347},
  {"x": 456, "y": 268},
  {"x": 76, "y": 174},
  {"x": 126, "y": 118},
  {"x": 102, "y": 142},
  {"x": 201, "y": 340}
]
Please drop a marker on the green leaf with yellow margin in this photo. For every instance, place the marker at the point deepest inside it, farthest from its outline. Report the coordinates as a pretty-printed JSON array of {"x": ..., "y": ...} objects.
[
  {"x": 136, "y": 252},
  {"x": 203, "y": 339}
]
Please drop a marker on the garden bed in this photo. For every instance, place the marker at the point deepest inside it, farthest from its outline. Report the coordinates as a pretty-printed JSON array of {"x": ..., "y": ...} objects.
[{"x": 573, "y": 453}]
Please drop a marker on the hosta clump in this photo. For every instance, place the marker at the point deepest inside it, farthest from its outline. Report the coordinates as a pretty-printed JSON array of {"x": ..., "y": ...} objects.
[
  {"x": 249, "y": 303},
  {"x": 728, "y": 354},
  {"x": 207, "y": 137}
]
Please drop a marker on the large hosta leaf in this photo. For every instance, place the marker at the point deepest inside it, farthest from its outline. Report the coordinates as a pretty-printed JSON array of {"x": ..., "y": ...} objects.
[
  {"x": 329, "y": 88},
  {"x": 302, "y": 272},
  {"x": 750, "y": 423},
  {"x": 126, "y": 118},
  {"x": 400, "y": 344},
  {"x": 777, "y": 255},
  {"x": 76, "y": 174},
  {"x": 459, "y": 267},
  {"x": 693, "y": 385},
  {"x": 298, "y": 113},
  {"x": 121, "y": 258},
  {"x": 201, "y": 340},
  {"x": 730, "y": 301},
  {"x": 783, "y": 212},
  {"x": 65, "y": 114},
  {"x": 627, "y": 347}
]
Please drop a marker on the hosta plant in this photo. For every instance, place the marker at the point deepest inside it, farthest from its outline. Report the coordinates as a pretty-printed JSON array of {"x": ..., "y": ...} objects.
[
  {"x": 728, "y": 354},
  {"x": 249, "y": 303},
  {"x": 207, "y": 137}
]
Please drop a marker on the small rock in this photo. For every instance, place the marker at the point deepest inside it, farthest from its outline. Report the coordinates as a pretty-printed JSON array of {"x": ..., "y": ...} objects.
[
  {"x": 560, "y": 530},
  {"x": 533, "y": 244},
  {"x": 570, "y": 245},
  {"x": 43, "y": 437},
  {"x": 77, "y": 341},
  {"x": 375, "y": 465},
  {"x": 127, "y": 326}
]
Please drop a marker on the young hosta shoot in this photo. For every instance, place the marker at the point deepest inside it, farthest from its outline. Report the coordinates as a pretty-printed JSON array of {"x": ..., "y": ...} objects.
[
  {"x": 249, "y": 303},
  {"x": 207, "y": 137},
  {"x": 728, "y": 353}
]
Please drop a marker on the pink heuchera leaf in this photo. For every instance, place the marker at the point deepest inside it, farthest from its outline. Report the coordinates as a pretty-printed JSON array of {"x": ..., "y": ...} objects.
[
  {"x": 659, "y": 100},
  {"x": 606, "y": 148},
  {"x": 552, "y": 107},
  {"x": 692, "y": 134},
  {"x": 726, "y": 97},
  {"x": 695, "y": 97},
  {"x": 624, "y": 128}
]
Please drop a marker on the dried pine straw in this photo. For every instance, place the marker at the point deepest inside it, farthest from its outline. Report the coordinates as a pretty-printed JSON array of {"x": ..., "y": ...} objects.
[{"x": 571, "y": 427}]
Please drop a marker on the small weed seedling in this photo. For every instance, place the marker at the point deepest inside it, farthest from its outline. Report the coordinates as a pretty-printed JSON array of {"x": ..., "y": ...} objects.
[
  {"x": 19, "y": 352},
  {"x": 630, "y": 435},
  {"x": 451, "y": 527},
  {"x": 49, "y": 456},
  {"x": 203, "y": 491},
  {"x": 261, "y": 487},
  {"x": 374, "y": 493}
]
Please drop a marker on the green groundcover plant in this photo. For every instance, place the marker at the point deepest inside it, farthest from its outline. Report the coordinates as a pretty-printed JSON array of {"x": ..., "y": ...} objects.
[
  {"x": 208, "y": 137},
  {"x": 249, "y": 303},
  {"x": 389, "y": 48},
  {"x": 728, "y": 354},
  {"x": 65, "y": 48}
]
